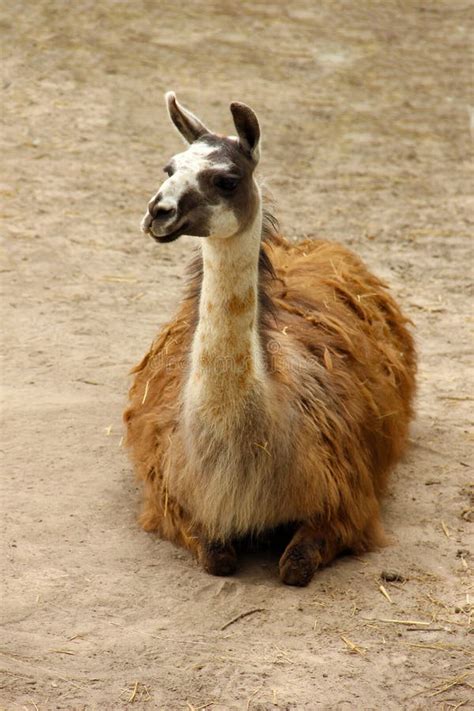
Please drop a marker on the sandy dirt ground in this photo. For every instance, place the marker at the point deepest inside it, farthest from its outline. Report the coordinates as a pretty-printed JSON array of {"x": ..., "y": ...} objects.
[{"x": 365, "y": 114}]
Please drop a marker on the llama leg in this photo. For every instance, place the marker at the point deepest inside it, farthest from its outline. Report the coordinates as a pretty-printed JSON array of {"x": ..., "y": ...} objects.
[
  {"x": 218, "y": 558},
  {"x": 172, "y": 522},
  {"x": 306, "y": 552}
]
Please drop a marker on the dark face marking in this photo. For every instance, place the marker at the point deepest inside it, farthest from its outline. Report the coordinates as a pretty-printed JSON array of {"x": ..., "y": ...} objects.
[
  {"x": 235, "y": 186},
  {"x": 192, "y": 215},
  {"x": 193, "y": 209}
]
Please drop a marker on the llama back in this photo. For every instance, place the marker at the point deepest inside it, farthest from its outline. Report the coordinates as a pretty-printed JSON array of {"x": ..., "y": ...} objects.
[{"x": 354, "y": 342}]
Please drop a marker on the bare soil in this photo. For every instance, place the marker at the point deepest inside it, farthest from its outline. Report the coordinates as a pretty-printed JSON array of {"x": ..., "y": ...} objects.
[{"x": 365, "y": 114}]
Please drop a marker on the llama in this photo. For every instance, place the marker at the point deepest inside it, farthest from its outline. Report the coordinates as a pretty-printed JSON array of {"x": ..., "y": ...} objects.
[{"x": 280, "y": 394}]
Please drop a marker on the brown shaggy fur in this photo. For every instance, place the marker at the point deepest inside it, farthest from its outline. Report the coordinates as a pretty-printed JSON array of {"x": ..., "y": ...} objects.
[{"x": 342, "y": 368}]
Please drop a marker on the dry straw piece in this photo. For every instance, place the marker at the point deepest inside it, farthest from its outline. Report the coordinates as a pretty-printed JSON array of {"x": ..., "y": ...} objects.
[
  {"x": 445, "y": 529},
  {"x": 241, "y": 617},
  {"x": 459, "y": 680},
  {"x": 385, "y": 594},
  {"x": 353, "y": 647},
  {"x": 199, "y": 708},
  {"x": 421, "y": 623}
]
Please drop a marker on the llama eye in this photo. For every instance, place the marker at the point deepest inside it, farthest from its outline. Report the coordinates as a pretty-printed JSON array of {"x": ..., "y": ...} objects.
[
  {"x": 168, "y": 170},
  {"x": 225, "y": 184}
]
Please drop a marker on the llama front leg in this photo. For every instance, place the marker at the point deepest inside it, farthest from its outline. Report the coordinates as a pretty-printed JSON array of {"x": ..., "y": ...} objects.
[
  {"x": 304, "y": 554},
  {"x": 217, "y": 558},
  {"x": 164, "y": 515}
]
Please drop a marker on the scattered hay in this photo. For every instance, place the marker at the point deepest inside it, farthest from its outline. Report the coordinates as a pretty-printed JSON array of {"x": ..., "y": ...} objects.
[
  {"x": 137, "y": 692},
  {"x": 460, "y": 680},
  {"x": 328, "y": 360},
  {"x": 442, "y": 646},
  {"x": 252, "y": 696},
  {"x": 421, "y": 623},
  {"x": 263, "y": 446},
  {"x": 384, "y": 592},
  {"x": 445, "y": 685},
  {"x": 49, "y": 672},
  {"x": 199, "y": 708},
  {"x": 282, "y": 656},
  {"x": 146, "y": 392},
  {"x": 354, "y": 648},
  {"x": 445, "y": 530},
  {"x": 438, "y": 603},
  {"x": 241, "y": 616}
]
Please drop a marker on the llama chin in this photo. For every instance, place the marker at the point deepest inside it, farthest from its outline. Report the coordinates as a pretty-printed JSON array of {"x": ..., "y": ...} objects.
[{"x": 281, "y": 391}]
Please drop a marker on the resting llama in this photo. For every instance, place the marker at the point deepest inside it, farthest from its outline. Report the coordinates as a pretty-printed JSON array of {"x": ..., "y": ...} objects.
[{"x": 279, "y": 395}]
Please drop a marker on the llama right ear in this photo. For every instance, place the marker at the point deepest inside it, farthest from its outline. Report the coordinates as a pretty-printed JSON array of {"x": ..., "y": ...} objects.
[
  {"x": 188, "y": 125},
  {"x": 248, "y": 129}
]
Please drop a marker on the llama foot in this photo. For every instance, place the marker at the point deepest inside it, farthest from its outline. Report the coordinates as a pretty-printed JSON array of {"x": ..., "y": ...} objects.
[
  {"x": 218, "y": 558},
  {"x": 299, "y": 562}
]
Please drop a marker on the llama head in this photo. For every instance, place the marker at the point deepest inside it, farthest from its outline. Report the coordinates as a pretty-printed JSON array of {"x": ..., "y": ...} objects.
[{"x": 210, "y": 190}]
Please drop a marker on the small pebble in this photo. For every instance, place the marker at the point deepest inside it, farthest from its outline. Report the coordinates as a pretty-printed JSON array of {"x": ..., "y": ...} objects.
[{"x": 391, "y": 576}]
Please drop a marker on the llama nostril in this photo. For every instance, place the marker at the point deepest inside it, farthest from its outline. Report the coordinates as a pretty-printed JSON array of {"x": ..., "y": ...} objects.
[
  {"x": 162, "y": 212},
  {"x": 160, "y": 208}
]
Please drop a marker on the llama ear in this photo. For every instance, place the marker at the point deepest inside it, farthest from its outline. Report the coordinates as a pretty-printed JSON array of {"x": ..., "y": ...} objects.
[
  {"x": 248, "y": 129},
  {"x": 188, "y": 125}
]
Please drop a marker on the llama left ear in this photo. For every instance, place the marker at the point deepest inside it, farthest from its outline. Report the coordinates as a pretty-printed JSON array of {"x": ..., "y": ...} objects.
[
  {"x": 188, "y": 125},
  {"x": 248, "y": 129}
]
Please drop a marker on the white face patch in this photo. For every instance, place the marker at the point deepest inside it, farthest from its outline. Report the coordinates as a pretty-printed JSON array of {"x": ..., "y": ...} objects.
[
  {"x": 187, "y": 166},
  {"x": 223, "y": 222}
]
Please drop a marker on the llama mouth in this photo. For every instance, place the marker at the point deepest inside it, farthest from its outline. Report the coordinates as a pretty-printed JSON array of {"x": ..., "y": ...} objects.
[{"x": 171, "y": 236}]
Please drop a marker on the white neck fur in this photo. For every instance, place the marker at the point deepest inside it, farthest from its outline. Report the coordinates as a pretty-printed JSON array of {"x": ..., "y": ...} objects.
[
  {"x": 229, "y": 428},
  {"x": 226, "y": 359}
]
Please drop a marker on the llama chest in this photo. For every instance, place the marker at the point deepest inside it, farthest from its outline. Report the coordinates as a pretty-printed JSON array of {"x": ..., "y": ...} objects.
[{"x": 233, "y": 473}]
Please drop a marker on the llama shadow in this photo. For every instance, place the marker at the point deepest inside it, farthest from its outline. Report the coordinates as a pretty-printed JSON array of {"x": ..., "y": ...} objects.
[{"x": 259, "y": 556}]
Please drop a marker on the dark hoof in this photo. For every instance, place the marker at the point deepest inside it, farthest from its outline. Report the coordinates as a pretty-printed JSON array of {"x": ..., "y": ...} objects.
[
  {"x": 219, "y": 559},
  {"x": 298, "y": 565}
]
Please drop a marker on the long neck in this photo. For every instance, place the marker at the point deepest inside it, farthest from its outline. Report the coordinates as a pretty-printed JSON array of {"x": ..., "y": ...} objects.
[{"x": 226, "y": 356}]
